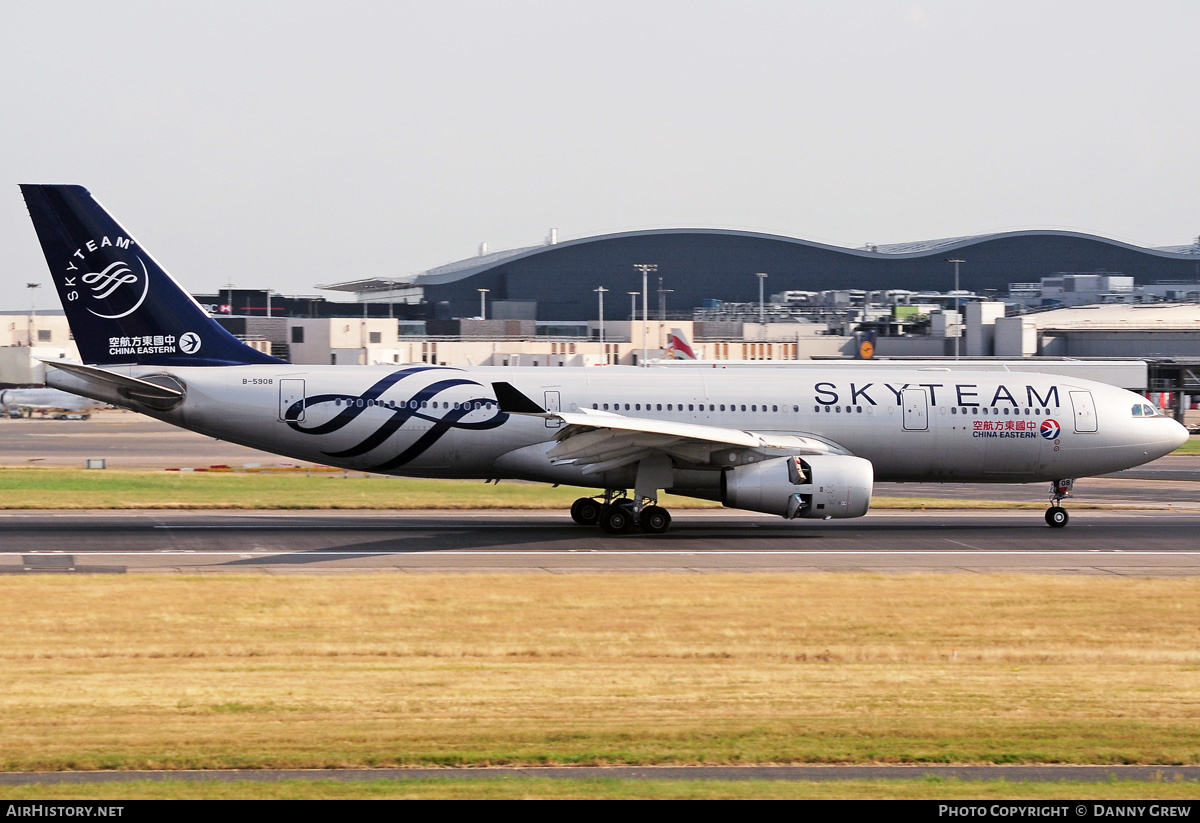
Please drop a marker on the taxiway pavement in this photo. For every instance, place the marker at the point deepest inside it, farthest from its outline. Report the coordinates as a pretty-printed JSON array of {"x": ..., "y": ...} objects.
[{"x": 1096, "y": 542}]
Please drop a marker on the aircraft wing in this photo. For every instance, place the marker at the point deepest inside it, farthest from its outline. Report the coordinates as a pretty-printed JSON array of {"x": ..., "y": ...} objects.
[{"x": 600, "y": 441}]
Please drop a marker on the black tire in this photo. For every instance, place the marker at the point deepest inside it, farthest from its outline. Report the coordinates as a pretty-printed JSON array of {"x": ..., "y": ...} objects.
[
  {"x": 617, "y": 519},
  {"x": 1057, "y": 517},
  {"x": 586, "y": 511},
  {"x": 655, "y": 519}
]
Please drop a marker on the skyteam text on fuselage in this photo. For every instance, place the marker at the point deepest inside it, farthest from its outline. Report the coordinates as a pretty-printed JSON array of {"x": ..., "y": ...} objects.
[{"x": 792, "y": 442}]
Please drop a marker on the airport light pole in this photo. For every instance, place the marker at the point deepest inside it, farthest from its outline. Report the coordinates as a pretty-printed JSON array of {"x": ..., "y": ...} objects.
[
  {"x": 662, "y": 300},
  {"x": 32, "y": 309},
  {"x": 482, "y": 303},
  {"x": 600, "y": 292},
  {"x": 958, "y": 326},
  {"x": 762, "y": 313},
  {"x": 645, "y": 269}
]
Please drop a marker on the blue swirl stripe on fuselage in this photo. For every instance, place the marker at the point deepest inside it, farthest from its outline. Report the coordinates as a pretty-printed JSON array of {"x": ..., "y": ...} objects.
[
  {"x": 347, "y": 415},
  {"x": 398, "y": 417}
]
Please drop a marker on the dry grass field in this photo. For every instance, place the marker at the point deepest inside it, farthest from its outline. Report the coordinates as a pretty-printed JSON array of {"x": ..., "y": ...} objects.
[
  {"x": 533, "y": 788},
  {"x": 292, "y": 671}
]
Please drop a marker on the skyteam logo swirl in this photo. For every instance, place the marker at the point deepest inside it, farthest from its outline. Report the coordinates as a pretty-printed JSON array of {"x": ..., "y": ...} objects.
[
  {"x": 119, "y": 287},
  {"x": 420, "y": 405}
]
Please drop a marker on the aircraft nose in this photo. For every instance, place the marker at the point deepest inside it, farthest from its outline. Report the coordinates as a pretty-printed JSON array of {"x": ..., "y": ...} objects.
[{"x": 1180, "y": 435}]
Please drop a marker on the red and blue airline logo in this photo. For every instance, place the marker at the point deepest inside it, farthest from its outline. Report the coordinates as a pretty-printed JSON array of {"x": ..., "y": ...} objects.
[{"x": 1050, "y": 429}]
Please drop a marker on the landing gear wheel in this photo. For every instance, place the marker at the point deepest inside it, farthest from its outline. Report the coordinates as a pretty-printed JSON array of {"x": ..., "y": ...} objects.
[
  {"x": 1057, "y": 516},
  {"x": 655, "y": 519},
  {"x": 586, "y": 511},
  {"x": 617, "y": 519}
]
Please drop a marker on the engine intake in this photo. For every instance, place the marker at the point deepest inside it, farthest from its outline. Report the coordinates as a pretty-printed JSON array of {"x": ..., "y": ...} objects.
[{"x": 819, "y": 486}]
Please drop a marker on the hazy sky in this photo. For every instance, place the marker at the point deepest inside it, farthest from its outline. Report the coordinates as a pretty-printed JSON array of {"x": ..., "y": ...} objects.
[{"x": 285, "y": 144}]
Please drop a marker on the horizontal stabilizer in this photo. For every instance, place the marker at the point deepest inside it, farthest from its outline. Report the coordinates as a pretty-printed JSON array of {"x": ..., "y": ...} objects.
[{"x": 122, "y": 384}]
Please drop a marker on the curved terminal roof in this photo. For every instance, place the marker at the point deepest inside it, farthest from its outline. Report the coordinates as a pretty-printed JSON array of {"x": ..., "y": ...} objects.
[{"x": 698, "y": 265}]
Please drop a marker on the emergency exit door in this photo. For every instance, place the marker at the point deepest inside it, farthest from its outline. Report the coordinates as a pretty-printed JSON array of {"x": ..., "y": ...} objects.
[{"x": 553, "y": 404}]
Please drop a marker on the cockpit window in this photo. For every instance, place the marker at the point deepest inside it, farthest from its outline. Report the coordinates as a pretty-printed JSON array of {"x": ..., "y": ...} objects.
[{"x": 1144, "y": 410}]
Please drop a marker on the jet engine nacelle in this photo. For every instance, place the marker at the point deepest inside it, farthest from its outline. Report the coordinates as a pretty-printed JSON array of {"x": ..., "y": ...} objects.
[{"x": 820, "y": 486}]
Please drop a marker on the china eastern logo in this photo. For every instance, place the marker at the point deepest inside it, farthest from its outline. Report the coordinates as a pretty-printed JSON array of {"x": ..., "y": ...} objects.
[
  {"x": 1051, "y": 429},
  {"x": 108, "y": 276},
  {"x": 189, "y": 342}
]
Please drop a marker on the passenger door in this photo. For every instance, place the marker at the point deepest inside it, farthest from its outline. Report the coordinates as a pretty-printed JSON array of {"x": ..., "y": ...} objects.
[
  {"x": 1085, "y": 411},
  {"x": 291, "y": 392},
  {"x": 916, "y": 410}
]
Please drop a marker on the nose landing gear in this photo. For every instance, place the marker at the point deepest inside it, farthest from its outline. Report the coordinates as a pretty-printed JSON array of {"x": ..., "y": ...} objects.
[{"x": 1056, "y": 515}]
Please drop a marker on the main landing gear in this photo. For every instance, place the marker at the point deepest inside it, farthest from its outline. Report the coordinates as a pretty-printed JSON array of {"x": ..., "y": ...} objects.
[
  {"x": 620, "y": 515},
  {"x": 1056, "y": 515}
]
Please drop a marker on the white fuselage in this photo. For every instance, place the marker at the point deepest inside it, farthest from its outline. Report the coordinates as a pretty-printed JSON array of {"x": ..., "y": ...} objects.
[{"x": 918, "y": 425}]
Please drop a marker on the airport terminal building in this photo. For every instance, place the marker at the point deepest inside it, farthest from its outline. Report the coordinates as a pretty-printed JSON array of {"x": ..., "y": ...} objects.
[{"x": 557, "y": 281}]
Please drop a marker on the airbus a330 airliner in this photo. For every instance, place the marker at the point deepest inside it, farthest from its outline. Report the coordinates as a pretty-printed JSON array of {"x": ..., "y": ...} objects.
[{"x": 792, "y": 442}]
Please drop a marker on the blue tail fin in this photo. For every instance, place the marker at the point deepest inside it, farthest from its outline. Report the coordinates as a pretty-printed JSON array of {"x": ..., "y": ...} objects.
[{"x": 123, "y": 308}]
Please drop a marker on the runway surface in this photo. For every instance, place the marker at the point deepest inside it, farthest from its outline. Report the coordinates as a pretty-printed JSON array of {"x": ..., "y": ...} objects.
[{"x": 1156, "y": 543}]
